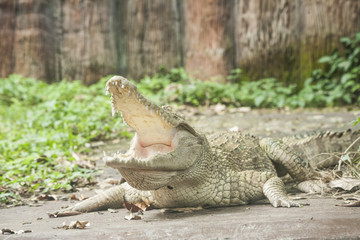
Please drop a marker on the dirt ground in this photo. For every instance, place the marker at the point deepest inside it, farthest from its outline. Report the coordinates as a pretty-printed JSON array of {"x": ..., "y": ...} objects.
[{"x": 321, "y": 220}]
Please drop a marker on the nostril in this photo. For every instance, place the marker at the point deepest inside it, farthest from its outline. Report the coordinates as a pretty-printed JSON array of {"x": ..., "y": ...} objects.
[{"x": 170, "y": 187}]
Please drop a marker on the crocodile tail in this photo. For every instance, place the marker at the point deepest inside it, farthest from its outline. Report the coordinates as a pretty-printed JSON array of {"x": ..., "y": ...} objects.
[{"x": 326, "y": 148}]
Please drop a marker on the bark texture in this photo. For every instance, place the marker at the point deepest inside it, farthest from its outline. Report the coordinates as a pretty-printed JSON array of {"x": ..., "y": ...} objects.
[
  {"x": 285, "y": 38},
  {"x": 85, "y": 46},
  {"x": 208, "y": 38},
  {"x": 88, "y": 39},
  {"x": 154, "y": 36}
]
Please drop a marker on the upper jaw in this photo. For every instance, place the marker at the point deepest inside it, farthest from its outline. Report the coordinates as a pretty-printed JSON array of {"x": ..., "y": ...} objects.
[{"x": 152, "y": 123}]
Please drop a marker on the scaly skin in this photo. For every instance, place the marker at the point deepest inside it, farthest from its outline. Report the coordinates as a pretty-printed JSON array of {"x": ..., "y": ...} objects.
[{"x": 169, "y": 164}]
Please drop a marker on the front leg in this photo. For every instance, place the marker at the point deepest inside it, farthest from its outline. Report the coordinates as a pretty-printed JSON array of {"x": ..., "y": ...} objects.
[
  {"x": 274, "y": 190},
  {"x": 294, "y": 164},
  {"x": 111, "y": 198}
]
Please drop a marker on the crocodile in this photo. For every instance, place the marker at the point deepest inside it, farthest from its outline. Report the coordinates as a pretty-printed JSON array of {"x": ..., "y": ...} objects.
[{"x": 171, "y": 164}]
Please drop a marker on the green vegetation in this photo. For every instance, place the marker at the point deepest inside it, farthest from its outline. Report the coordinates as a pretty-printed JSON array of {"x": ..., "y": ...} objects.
[
  {"x": 41, "y": 126},
  {"x": 338, "y": 84},
  {"x": 357, "y": 122}
]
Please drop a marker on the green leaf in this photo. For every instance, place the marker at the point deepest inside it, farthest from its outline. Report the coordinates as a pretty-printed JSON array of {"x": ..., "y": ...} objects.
[
  {"x": 345, "y": 40},
  {"x": 357, "y": 121},
  {"x": 259, "y": 100},
  {"x": 325, "y": 59},
  {"x": 346, "y": 77}
]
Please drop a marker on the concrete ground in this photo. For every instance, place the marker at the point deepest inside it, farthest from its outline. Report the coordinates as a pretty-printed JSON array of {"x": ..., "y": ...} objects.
[{"x": 321, "y": 220}]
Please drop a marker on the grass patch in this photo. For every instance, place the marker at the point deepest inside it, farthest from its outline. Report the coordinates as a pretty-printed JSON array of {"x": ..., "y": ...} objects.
[{"x": 41, "y": 126}]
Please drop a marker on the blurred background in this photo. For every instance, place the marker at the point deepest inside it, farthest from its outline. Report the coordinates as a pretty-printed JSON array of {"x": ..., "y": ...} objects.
[{"x": 87, "y": 40}]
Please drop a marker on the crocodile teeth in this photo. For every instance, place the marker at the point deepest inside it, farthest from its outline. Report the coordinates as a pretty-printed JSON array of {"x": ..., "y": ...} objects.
[{"x": 122, "y": 86}]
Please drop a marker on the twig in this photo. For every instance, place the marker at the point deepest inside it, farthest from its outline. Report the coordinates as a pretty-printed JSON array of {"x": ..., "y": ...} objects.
[{"x": 352, "y": 144}]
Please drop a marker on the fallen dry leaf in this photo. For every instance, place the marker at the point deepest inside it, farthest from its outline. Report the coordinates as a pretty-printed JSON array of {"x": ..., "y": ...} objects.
[
  {"x": 78, "y": 197},
  {"x": 81, "y": 162},
  {"x": 23, "y": 231},
  {"x": 136, "y": 207},
  {"x": 75, "y": 225},
  {"x": 347, "y": 184},
  {"x": 131, "y": 207},
  {"x": 136, "y": 210},
  {"x": 133, "y": 216},
  {"x": 47, "y": 197},
  {"x": 7, "y": 231}
]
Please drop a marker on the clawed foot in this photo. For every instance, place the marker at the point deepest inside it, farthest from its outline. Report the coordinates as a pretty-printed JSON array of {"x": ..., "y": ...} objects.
[
  {"x": 286, "y": 202},
  {"x": 64, "y": 213},
  {"x": 274, "y": 190}
]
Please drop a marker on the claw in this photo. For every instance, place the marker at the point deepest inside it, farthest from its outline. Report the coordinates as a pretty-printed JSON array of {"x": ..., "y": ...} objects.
[
  {"x": 64, "y": 213},
  {"x": 285, "y": 202},
  {"x": 274, "y": 190}
]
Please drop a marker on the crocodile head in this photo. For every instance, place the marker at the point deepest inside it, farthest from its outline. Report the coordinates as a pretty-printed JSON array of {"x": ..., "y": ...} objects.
[{"x": 164, "y": 145}]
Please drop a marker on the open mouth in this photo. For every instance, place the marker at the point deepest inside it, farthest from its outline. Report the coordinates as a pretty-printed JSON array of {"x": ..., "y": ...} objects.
[
  {"x": 164, "y": 144},
  {"x": 157, "y": 131}
]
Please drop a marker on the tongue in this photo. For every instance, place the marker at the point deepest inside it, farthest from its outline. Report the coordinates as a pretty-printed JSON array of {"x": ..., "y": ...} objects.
[{"x": 145, "y": 152}]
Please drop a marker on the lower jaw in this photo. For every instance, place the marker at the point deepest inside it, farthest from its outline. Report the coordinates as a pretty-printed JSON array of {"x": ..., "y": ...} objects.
[{"x": 144, "y": 179}]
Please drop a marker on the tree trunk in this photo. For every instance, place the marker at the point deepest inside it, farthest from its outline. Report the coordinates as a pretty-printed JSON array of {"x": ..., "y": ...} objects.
[
  {"x": 284, "y": 39},
  {"x": 88, "y": 39},
  {"x": 153, "y": 32},
  {"x": 208, "y": 42},
  {"x": 86, "y": 49},
  {"x": 27, "y": 40}
]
